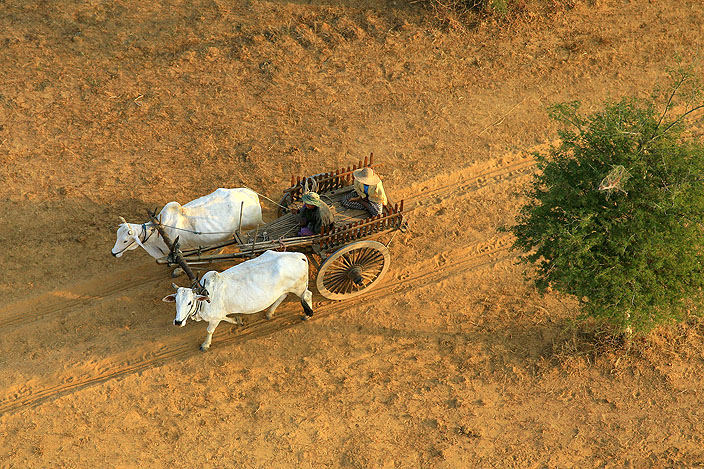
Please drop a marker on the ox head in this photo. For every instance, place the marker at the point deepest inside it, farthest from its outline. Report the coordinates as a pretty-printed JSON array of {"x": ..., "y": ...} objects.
[
  {"x": 127, "y": 239},
  {"x": 188, "y": 303}
]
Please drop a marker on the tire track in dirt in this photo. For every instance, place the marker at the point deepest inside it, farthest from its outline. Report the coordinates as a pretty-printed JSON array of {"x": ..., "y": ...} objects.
[
  {"x": 59, "y": 301},
  {"x": 464, "y": 181},
  {"x": 484, "y": 254},
  {"x": 476, "y": 256},
  {"x": 422, "y": 274},
  {"x": 471, "y": 179}
]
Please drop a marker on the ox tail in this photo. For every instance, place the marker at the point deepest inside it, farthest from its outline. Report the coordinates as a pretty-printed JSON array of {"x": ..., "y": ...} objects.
[
  {"x": 306, "y": 308},
  {"x": 307, "y": 296}
]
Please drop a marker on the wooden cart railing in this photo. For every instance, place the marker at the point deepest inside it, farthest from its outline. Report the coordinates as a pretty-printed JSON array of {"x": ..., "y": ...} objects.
[
  {"x": 391, "y": 219},
  {"x": 328, "y": 181}
]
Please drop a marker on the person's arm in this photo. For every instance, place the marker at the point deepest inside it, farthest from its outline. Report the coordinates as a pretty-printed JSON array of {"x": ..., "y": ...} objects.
[
  {"x": 316, "y": 223},
  {"x": 327, "y": 218},
  {"x": 302, "y": 217},
  {"x": 359, "y": 191},
  {"x": 379, "y": 194}
]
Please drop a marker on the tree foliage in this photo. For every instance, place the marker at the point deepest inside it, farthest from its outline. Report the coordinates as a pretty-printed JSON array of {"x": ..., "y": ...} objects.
[{"x": 615, "y": 214}]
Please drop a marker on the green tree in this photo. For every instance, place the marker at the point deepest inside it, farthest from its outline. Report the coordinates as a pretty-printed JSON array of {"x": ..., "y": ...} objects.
[{"x": 615, "y": 213}]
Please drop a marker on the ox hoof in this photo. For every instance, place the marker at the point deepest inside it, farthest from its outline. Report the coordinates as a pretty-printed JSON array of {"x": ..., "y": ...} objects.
[
  {"x": 305, "y": 317},
  {"x": 204, "y": 348},
  {"x": 177, "y": 272}
]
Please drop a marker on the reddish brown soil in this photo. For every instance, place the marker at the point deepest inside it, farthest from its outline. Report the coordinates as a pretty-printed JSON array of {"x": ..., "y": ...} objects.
[{"x": 110, "y": 108}]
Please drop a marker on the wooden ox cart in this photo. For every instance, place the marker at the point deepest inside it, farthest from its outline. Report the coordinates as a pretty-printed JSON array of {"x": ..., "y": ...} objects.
[{"x": 350, "y": 258}]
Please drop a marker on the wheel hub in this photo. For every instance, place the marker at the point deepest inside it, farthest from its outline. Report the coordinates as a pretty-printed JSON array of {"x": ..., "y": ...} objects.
[{"x": 355, "y": 274}]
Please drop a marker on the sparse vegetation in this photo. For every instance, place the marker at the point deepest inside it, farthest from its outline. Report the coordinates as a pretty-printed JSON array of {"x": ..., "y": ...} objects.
[
  {"x": 463, "y": 6},
  {"x": 463, "y": 12},
  {"x": 615, "y": 214}
]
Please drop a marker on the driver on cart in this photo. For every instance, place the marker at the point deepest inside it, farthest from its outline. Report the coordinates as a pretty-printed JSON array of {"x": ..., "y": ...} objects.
[
  {"x": 314, "y": 215},
  {"x": 368, "y": 193}
]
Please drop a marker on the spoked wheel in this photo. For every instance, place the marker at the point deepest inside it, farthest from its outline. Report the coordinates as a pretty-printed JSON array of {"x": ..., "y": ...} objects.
[
  {"x": 283, "y": 205},
  {"x": 353, "y": 270}
]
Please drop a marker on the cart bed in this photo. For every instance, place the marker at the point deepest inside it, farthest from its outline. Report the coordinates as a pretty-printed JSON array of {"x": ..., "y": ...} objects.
[{"x": 287, "y": 226}]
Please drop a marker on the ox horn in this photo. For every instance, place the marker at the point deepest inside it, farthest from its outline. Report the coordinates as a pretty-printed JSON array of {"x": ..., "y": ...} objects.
[
  {"x": 123, "y": 220},
  {"x": 176, "y": 287}
]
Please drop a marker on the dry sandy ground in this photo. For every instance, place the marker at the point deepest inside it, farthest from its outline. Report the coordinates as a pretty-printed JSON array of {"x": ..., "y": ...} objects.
[{"x": 110, "y": 108}]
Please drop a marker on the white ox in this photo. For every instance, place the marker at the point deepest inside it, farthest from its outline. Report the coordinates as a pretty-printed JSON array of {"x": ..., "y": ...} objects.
[
  {"x": 204, "y": 221},
  {"x": 247, "y": 288}
]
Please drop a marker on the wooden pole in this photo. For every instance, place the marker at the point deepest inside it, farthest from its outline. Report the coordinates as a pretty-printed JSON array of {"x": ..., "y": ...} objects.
[
  {"x": 173, "y": 247},
  {"x": 239, "y": 227},
  {"x": 254, "y": 240}
]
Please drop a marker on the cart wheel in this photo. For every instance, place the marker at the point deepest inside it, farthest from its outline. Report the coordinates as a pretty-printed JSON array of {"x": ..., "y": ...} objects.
[
  {"x": 353, "y": 270},
  {"x": 284, "y": 202}
]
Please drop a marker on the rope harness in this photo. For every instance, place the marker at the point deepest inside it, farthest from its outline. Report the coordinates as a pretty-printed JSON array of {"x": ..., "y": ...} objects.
[
  {"x": 194, "y": 312},
  {"x": 134, "y": 240}
]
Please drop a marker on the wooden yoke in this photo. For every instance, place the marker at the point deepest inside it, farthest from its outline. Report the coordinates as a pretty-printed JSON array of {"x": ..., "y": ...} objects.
[{"x": 175, "y": 252}]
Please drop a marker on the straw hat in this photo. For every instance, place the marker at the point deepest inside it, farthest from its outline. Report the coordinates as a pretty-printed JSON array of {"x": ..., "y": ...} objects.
[
  {"x": 366, "y": 176},
  {"x": 311, "y": 198}
]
